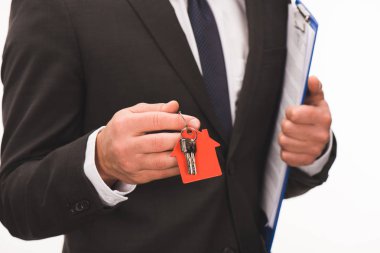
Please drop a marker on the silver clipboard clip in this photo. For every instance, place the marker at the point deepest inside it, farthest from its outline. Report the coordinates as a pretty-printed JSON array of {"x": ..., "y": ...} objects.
[{"x": 306, "y": 14}]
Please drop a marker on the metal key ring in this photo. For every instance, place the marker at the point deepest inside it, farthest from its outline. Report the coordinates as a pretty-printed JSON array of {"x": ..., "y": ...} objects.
[{"x": 190, "y": 130}]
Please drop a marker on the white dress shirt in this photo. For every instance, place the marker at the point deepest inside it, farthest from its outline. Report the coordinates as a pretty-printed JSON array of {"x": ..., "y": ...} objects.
[{"x": 231, "y": 20}]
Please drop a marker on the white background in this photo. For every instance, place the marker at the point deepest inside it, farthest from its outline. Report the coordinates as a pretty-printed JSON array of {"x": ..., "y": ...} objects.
[{"x": 343, "y": 215}]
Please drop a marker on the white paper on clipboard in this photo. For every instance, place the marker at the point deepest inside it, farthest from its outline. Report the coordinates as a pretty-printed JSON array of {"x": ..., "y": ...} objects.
[{"x": 302, "y": 31}]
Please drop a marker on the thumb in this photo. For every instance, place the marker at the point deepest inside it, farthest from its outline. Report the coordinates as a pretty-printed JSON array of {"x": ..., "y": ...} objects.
[
  {"x": 315, "y": 94},
  {"x": 170, "y": 107}
]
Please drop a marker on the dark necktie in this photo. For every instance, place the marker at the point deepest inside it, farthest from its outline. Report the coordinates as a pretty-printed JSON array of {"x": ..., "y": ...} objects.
[{"x": 212, "y": 60}]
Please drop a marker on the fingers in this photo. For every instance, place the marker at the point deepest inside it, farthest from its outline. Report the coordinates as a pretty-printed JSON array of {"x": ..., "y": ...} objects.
[
  {"x": 170, "y": 107},
  {"x": 297, "y": 160},
  {"x": 156, "y": 161},
  {"x": 302, "y": 143},
  {"x": 301, "y": 114},
  {"x": 154, "y": 143},
  {"x": 306, "y": 128},
  {"x": 315, "y": 95},
  {"x": 128, "y": 150},
  {"x": 300, "y": 132},
  {"x": 309, "y": 115},
  {"x": 305, "y": 133},
  {"x": 159, "y": 121},
  {"x": 292, "y": 145},
  {"x": 143, "y": 118}
]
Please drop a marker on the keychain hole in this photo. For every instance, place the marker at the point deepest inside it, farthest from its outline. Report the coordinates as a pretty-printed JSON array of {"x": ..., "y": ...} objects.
[{"x": 191, "y": 132}]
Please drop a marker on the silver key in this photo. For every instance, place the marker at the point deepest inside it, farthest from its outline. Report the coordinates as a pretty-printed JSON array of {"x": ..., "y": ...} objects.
[{"x": 188, "y": 147}]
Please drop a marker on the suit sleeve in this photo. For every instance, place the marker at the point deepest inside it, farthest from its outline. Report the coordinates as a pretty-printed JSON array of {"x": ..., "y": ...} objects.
[
  {"x": 299, "y": 182},
  {"x": 43, "y": 189}
]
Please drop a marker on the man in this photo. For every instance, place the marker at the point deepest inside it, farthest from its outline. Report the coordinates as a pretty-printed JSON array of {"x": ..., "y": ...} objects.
[{"x": 73, "y": 66}]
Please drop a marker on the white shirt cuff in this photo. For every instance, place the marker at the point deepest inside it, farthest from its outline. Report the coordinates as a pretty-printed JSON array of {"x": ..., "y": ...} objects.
[
  {"x": 316, "y": 167},
  {"x": 108, "y": 196}
]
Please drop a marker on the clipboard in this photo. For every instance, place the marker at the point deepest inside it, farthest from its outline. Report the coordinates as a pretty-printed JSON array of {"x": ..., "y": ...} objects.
[{"x": 302, "y": 32}]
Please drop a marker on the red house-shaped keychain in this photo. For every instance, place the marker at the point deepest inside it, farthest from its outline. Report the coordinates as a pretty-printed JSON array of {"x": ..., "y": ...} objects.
[{"x": 206, "y": 160}]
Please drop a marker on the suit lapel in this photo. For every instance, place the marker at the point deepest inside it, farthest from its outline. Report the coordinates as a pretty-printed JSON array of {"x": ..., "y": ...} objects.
[
  {"x": 267, "y": 33},
  {"x": 160, "y": 19},
  {"x": 250, "y": 81},
  {"x": 256, "y": 107}
]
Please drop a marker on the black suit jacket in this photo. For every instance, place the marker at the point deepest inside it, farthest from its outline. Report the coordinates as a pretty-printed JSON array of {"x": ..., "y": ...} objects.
[{"x": 69, "y": 65}]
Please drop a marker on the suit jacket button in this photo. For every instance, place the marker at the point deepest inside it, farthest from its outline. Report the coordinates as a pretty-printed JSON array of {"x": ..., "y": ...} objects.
[
  {"x": 228, "y": 250},
  {"x": 81, "y": 205}
]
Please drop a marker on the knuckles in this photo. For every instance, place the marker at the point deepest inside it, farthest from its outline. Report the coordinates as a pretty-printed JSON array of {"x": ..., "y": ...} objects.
[
  {"x": 282, "y": 140},
  {"x": 156, "y": 122},
  {"x": 121, "y": 149},
  {"x": 293, "y": 115},
  {"x": 156, "y": 143},
  {"x": 326, "y": 119},
  {"x": 315, "y": 151},
  {"x": 137, "y": 107},
  {"x": 317, "y": 114},
  {"x": 286, "y": 126},
  {"x": 119, "y": 122},
  {"x": 324, "y": 137},
  {"x": 142, "y": 104},
  {"x": 284, "y": 157},
  {"x": 159, "y": 163},
  {"x": 129, "y": 166}
]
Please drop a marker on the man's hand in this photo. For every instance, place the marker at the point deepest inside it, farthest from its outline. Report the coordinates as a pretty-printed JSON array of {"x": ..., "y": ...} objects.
[
  {"x": 127, "y": 149},
  {"x": 306, "y": 128}
]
